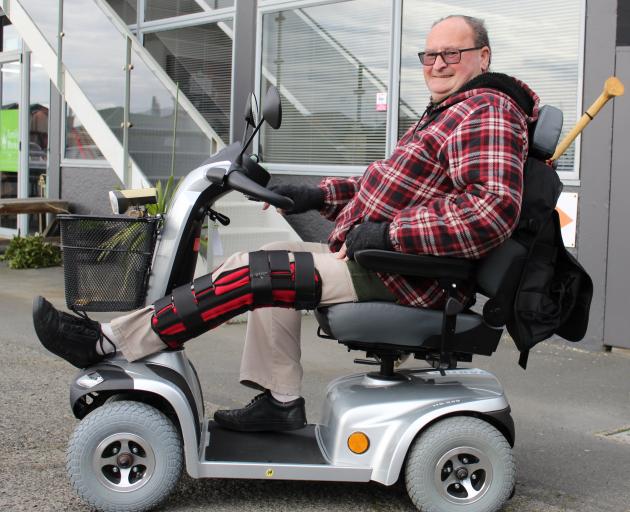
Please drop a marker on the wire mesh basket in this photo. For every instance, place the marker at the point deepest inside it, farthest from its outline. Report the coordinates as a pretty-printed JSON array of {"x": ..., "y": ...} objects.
[{"x": 106, "y": 260}]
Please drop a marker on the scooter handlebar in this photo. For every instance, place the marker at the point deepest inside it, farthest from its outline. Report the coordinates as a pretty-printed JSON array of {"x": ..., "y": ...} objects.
[{"x": 236, "y": 180}]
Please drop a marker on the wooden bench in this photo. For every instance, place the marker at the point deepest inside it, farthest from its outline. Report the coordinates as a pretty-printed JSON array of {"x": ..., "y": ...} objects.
[{"x": 34, "y": 205}]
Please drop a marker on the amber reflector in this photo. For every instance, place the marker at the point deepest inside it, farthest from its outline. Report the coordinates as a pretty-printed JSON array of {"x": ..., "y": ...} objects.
[{"x": 358, "y": 442}]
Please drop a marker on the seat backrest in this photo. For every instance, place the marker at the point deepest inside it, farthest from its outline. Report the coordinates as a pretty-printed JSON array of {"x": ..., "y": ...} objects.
[
  {"x": 545, "y": 133},
  {"x": 499, "y": 272},
  {"x": 493, "y": 269}
]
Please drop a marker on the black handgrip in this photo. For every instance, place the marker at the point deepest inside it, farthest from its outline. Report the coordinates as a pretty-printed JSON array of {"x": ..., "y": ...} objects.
[
  {"x": 238, "y": 181},
  {"x": 216, "y": 175}
]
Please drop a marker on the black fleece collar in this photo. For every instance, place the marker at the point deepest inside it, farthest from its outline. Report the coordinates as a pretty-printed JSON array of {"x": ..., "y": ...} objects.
[{"x": 503, "y": 83}]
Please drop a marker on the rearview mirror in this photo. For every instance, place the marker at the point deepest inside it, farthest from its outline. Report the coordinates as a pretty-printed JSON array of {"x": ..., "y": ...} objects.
[
  {"x": 272, "y": 108},
  {"x": 272, "y": 114}
]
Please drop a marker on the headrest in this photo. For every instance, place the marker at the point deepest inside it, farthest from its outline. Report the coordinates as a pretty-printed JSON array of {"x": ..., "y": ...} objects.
[{"x": 546, "y": 133}]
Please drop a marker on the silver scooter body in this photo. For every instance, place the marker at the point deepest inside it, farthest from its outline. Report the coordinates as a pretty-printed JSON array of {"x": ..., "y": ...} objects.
[{"x": 390, "y": 412}]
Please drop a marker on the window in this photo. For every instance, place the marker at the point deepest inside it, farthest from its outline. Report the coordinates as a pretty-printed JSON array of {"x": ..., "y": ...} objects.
[
  {"x": 98, "y": 69},
  {"x": 539, "y": 44},
  {"x": 46, "y": 17},
  {"x": 331, "y": 65},
  {"x": 126, "y": 9},
  {"x": 9, "y": 39},
  {"x": 199, "y": 58},
  {"x": 79, "y": 144}
]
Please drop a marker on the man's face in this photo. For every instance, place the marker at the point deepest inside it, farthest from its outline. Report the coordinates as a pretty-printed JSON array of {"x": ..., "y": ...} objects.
[{"x": 443, "y": 79}]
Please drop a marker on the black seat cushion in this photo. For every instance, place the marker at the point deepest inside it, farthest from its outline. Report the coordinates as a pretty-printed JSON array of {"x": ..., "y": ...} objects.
[{"x": 387, "y": 323}]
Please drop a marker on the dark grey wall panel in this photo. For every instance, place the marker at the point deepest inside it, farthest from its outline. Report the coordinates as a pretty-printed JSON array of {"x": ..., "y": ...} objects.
[
  {"x": 87, "y": 189},
  {"x": 592, "y": 235},
  {"x": 623, "y": 23},
  {"x": 617, "y": 325}
]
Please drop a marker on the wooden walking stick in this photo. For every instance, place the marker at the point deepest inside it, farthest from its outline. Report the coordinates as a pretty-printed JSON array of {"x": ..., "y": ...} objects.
[{"x": 612, "y": 87}]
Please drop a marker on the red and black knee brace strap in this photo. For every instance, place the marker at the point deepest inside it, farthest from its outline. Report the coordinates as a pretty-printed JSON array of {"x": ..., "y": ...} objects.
[{"x": 270, "y": 279}]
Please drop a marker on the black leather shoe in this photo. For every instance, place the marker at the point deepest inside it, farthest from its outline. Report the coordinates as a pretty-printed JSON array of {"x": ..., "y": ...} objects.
[
  {"x": 70, "y": 337},
  {"x": 264, "y": 414}
]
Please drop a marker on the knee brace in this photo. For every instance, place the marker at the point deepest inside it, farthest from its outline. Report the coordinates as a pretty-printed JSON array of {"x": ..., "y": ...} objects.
[{"x": 269, "y": 280}]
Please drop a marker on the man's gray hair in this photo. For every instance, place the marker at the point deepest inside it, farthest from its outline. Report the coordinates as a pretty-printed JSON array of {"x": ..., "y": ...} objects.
[{"x": 476, "y": 24}]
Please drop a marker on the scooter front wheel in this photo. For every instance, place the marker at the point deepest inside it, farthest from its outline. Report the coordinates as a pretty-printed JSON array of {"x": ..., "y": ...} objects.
[
  {"x": 125, "y": 456},
  {"x": 460, "y": 464}
]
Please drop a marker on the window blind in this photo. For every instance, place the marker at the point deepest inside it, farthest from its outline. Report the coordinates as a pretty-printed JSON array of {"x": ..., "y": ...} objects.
[
  {"x": 330, "y": 63},
  {"x": 159, "y": 9}
]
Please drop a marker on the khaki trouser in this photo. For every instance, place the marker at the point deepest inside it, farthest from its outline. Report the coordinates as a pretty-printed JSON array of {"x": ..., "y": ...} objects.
[{"x": 271, "y": 356}]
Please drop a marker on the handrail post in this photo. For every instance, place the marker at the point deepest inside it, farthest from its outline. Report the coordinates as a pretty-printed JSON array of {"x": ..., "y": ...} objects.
[
  {"x": 126, "y": 124},
  {"x": 60, "y": 34}
]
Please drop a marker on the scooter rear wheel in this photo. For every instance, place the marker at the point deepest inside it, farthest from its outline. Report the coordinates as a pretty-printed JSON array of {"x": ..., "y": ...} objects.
[
  {"x": 124, "y": 456},
  {"x": 460, "y": 464}
]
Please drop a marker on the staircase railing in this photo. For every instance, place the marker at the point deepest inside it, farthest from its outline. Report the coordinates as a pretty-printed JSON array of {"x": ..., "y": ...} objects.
[{"x": 122, "y": 96}]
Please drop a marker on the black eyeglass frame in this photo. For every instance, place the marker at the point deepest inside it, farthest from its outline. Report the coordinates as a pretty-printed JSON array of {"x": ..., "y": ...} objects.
[{"x": 435, "y": 55}]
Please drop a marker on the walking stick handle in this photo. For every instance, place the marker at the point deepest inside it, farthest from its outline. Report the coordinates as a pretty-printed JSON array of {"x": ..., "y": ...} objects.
[{"x": 612, "y": 87}]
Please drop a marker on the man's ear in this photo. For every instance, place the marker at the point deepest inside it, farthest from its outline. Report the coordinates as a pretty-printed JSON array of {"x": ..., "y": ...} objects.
[{"x": 486, "y": 56}]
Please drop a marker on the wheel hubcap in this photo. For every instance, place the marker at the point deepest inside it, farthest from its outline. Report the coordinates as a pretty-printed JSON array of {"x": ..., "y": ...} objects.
[
  {"x": 463, "y": 475},
  {"x": 123, "y": 462}
]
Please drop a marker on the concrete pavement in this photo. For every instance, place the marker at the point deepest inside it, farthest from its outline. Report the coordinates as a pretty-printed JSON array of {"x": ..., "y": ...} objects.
[{"x": 564, "y": 407}]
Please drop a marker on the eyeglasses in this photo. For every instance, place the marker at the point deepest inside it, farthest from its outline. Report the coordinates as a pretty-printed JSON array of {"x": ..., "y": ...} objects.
[{"x": 452, "y": 56}]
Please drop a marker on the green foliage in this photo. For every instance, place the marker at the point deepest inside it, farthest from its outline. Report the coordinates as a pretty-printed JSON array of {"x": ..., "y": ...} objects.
[
  {"x": 31, "y": 252},
  {"x": 131, "y": 238},
  {"x": 165, "y": 196}
]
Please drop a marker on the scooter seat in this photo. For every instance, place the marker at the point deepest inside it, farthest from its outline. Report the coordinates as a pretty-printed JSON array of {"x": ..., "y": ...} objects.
[{"x": 387, "y": 323}]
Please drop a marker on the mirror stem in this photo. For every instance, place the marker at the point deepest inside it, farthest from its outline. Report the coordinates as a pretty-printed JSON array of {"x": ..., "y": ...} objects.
[{"x": 239, "y": 158}]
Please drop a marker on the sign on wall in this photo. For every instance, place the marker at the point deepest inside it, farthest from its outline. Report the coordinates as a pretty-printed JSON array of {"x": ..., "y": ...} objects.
[
  {"x": 9, "y": 140},
  {"x": 567, "y": 210},
  {"x": 381, "y": 101}
]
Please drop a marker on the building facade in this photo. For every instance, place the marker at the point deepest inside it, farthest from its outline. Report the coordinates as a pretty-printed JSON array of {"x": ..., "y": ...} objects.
[{"x": 130, "y": 91}]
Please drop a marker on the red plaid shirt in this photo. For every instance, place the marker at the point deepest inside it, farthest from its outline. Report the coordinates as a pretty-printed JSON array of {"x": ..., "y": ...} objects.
[{"x": 451, "y": 188}]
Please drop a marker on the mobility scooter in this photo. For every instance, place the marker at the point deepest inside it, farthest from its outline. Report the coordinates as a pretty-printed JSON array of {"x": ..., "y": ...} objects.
[{"x": 446, "y": 430}]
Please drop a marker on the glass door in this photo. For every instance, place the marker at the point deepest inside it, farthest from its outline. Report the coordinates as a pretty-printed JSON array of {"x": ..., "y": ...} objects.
[
  {"x": 9, "y": 139},
  {"x": 9, "y": 121}
]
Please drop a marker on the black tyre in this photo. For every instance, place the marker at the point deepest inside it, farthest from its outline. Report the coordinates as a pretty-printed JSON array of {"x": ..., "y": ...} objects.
[
  {"x": 460, "y": 464},
  {"x": 125, "y": 457}
]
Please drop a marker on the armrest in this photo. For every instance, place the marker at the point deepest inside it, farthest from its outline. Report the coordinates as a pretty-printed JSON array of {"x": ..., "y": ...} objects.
[{"x": 421, "y": 265}]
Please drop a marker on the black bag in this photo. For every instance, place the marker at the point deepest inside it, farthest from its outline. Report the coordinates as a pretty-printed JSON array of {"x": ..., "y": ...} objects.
[{"x": 554, "y": 291}]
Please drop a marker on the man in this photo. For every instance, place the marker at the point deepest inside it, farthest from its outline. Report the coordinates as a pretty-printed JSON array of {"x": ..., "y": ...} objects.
[{"x": 452, "y": 187}]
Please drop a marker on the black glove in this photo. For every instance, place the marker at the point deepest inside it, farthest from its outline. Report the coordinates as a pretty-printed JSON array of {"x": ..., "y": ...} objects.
[
  {"x": 368, "y": 235},
  {"x": 305, "y": 197}
]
